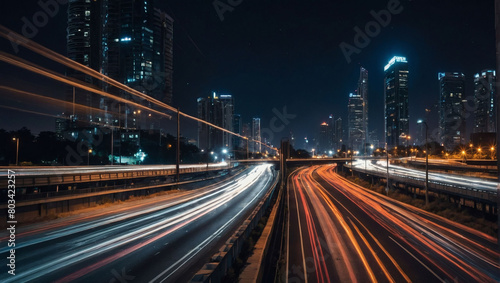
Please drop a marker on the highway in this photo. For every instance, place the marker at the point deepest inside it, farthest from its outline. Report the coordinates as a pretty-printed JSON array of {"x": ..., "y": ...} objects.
[
  {"x": 440, "y": 178},
  {"x": 341, "y": 232},
  {"x": 163, "y": 239},
  {"x": 60, "y": 170}
]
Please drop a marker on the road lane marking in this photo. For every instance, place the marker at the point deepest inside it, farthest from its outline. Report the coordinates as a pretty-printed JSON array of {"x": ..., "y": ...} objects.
[
  {"x": 423, "y": 264},
  {"x": 301, "y": 240}
]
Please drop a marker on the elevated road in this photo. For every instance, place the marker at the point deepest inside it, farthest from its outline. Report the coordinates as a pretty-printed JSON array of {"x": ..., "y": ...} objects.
[
  {"x": 470, "y": 187},
  {"x": 163, "y": 239},
  {"x": 45, "y": 176}
]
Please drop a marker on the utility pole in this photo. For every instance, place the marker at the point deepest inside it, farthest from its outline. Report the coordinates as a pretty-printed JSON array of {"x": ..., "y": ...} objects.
[
  {"x": 387, "y": 155},
  {"x": 178, "y": 150},
  {"x": 112, "y": 145}
]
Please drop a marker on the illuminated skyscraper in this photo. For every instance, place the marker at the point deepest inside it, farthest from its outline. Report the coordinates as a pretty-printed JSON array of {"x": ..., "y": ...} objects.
[
  {"x": 323, "y": 139},
  {"x": 485, "y": 101},
  {"x": 396, "y": 101},
  {"x": 451, "y": 109},
  {"x": 129, "y": 41},
  {"x": 256, "y": 135},
  {"x": 363, "y": 92},
  {"x": 339, "y": 134},
  {"x": 218, "y": 110},
  {"x": 356, "y": 134}
]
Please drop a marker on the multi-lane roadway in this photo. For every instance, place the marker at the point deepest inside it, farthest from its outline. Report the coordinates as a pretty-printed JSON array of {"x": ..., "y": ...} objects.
[
  {"x": 162, "y": 239},
  {"x": 340, "y": 232},
  {"x": 440, "y": 178}
]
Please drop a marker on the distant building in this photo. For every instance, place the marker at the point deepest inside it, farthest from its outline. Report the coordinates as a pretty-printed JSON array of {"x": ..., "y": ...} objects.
[
  {"x": 356, "y": 134},
  {"x": 451, "y": 109},
  {"x": 339, "y": 134},
  {"x": 396, "y": 101},
  {"x": 61, "y": 127},
  {"x": 363, "y": 92},
  {"x": 331, "y": 132},
  {"x": 238, "y": 128},
  {"x": 323, "y": 145},
  {"x": 217, "y": 110},
  {"x": 256, "y": 136},
  {"x": 485, "y": 102}
]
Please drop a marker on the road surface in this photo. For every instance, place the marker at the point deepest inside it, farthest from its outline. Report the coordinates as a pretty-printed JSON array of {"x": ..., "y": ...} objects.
[
  {"x": 340, "y": 232},
  {"x": 163, "y": 239}
]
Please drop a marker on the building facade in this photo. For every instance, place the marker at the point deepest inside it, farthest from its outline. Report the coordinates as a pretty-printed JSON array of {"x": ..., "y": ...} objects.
[
  {"x": 451, "y": 109},
  {"x": 485, "y": 102},
  {"x": 256, "y": 136},
  {"x": 217, "y": 110},
  {"x": 363, "y": 92},
  {"x": 339, "y": 134},
  {"x": 356, "y": 134},
  {"x": 396, "y": 101},
  {"x": 129, "y": 41},
  {"x": 323, "y": 145}
]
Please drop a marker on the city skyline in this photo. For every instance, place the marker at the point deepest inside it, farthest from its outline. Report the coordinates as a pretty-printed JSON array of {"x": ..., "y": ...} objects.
[{"x": 330, "y": 92}]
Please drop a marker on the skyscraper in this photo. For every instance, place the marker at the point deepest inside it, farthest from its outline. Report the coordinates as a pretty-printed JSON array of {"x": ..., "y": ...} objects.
[
  {"x": 218, "y": 110},
  {"x": 84, "y": 34},
  {"x": 356, "y": 134},
  {"x": 237, "y": 128},
  {"x": 396, "y": 101},
  {"x": 363, "y": 92},
  {"x": 339, "y": 134},
  {"x": 129, "y": 41},
  {"x": 323, "y": 139},
  {"x": 331, "y": 132},
  {"x": 451, "y": 109},
  {"x": 485, "y": 101},
  {"x": 256, "y": 135}
]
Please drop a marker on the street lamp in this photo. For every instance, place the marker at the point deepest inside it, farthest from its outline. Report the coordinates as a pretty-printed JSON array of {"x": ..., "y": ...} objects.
[
  {"x": 88, "y": 156},
  {"x": 407, "y": 144},
  {"x": 387, "y": 154},
  {"x": 492, "y": 149},
  {"x": 17, "y": 150},
  {"x": 426, "y": 162}
]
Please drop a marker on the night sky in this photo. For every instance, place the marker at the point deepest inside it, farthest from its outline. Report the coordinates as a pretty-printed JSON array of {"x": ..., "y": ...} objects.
[{"x": 275, "y": 54}]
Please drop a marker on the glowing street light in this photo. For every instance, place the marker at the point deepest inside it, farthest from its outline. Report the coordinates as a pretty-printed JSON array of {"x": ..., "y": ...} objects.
[
  {"x": 17, "y": 150},
  {"x": 88, "y": 156}
]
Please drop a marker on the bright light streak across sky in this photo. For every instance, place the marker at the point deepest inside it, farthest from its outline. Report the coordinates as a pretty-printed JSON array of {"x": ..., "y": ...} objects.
[{"x": 37, "y": 48}]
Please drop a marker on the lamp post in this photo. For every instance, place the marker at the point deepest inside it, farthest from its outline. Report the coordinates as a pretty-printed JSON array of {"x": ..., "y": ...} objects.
[
  {"x": 387, "y": 155},
  {"x": 426, "y": 162},
  {"x": 407, "y": 144},
  {"x": 88, "y": 156},
  {"x": 17, "y": 150}
]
